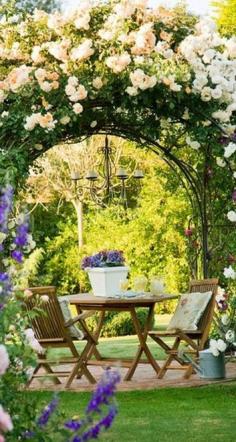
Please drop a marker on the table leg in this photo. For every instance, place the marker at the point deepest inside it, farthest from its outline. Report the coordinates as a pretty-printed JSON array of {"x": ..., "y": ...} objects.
[
  {"x": 143, "y": 348},
  {"x": 94, "y": 351}
]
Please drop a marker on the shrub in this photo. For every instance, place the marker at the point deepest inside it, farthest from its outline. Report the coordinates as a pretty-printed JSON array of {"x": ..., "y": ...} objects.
[{"x": 118, "y": 324}]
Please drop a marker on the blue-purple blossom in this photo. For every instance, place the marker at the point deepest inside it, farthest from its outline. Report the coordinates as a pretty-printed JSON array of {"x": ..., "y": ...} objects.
[
  {"x": 17, "y": 255},
  {"x": 105, "y": 258},
  {"x": 91, "y": 426},
  {"x": 21, "y": 238},
  {"x": 6, "y": 200},
  {"x": 47, "y": 412},
  {"x": 5, "y": 284}
]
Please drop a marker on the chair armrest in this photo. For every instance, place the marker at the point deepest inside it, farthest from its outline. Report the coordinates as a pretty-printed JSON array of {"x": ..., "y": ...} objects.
[{"x": 79, "y": 317}]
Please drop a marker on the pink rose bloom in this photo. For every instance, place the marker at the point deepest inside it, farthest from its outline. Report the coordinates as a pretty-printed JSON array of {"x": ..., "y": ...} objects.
[
  {"x": 4, "y": 359},
  {"x": 2, "y": 438},
  {"x": 5, "y": 420}
]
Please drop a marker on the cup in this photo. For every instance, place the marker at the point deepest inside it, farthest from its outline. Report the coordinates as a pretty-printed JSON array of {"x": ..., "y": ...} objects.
[
  {"x": 140, "y": 283},
  {"x": 157, "y": 286}
]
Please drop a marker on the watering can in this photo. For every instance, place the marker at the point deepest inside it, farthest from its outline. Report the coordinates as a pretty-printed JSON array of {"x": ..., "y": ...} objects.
[{"x": 209, "y": 366}]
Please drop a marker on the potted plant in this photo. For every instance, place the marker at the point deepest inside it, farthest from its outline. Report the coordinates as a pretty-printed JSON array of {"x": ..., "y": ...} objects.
[{"x": 106, "y": 271}]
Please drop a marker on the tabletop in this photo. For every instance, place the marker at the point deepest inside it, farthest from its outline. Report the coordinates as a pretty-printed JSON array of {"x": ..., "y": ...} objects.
[{"x": 87, "y": 299}]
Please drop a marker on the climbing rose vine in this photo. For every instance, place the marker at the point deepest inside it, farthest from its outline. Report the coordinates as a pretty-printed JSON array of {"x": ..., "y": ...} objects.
[{"x": 115, "y": 67}]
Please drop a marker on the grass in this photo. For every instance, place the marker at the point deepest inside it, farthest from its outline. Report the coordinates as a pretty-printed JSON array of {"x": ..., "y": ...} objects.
[
  {"x": 125, "y": 346},
  {"x": 170, "y": 415}
]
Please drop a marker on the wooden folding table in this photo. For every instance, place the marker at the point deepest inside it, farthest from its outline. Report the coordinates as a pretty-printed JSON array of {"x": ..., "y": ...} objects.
[{"x": 90, "y": 302}]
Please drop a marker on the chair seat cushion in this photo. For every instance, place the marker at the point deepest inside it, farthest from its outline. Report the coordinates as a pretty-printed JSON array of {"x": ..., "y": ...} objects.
[
  {"x": 75, "y": 333},
  {"x": 189, "y": 311}
]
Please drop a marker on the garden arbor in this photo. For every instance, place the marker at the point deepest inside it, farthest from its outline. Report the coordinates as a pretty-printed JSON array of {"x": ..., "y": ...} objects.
[{"x": 157, "y": 77}]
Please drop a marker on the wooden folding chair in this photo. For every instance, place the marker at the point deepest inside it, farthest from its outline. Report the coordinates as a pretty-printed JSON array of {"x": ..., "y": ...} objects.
[
  {"x": 52, "y": 331},
  {"x": 195, "y": 340}
]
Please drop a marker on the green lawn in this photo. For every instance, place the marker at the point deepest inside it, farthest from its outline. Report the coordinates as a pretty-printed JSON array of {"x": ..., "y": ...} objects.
[
  {"x": 170, "y": 415},
  {"x": 126, "y": 346}
]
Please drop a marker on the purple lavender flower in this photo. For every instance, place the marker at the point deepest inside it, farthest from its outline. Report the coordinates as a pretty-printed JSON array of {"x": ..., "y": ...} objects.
[
  {"x": 115, "y": 257},
  {"x": 6, "y": 200},
  {"x": 5, "y": 284},
  {"x": 21, "y": 238},
  {"x": 105, "y": 258},
  {"x": 86, "y": 429},
  {"x": 17, "y": 255},
  {"x": 47, "y": 412}
]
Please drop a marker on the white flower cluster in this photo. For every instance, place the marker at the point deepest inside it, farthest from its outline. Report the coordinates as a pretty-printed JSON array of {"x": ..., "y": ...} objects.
[
  {"x": 47, "y": 80},
  {"x": 74, "y": 90},
  {"x": 229, "y": 273},
  {"x": 217, "y": 346},
  {"x": 214, "y": 69},
  {"x": 44, "y": 121},
  {"x": 140, "y": 80},
  {"x": 83, "y": 51},
  {"x": 117, "y": 63}
]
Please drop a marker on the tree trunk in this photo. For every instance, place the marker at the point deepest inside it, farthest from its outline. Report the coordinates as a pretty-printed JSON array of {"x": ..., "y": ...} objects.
[{"x": 78, "y": 205}]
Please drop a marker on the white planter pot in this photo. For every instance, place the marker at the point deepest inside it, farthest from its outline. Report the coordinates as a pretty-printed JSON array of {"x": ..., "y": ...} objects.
[{"x": 105, "y": 281}]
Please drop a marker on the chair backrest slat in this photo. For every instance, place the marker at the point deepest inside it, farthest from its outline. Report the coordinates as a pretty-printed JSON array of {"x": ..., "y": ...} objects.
[
  {"x": 50, "y": 324},
  {"x": 202, "y": 286}
]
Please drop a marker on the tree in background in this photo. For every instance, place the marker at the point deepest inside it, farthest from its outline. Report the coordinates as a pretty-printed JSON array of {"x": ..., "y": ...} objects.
[
  {"x": 50, "y": 177},
  {"x": 226, "y": 16},
  {"x": 30, "y": 5}
]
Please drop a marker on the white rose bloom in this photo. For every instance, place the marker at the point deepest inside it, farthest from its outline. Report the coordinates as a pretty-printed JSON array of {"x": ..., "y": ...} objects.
[
  {"x": 216, "y": 93},
  {"x": 132, "y": 91},
  {"x": 229, "y": 273},
  {"x": 175, "y": 87},
  {"x": 93, "y": 124},
  {"x": 36, "y": 55},
  {"x": 73, "y": 81},
  {"x": 225, "y": 319},
  {"x": 223, "y": 116},
  {"x": 83, "y": 51},
  {"x": 46, "y": 86},
  {"x": 234, "y": 174},
  {"x": 40, "y": 74},
  {"x": 230, "y": 336},
  {"x": 82, "y": 22},
  {"x": 206, "y": 94},
  {"x": 65, "y": 120},
  {"x": 229, "y": 150},
  {"x": 81, "y": 91},
  {"x": 213, "y": 347},
  {"x": 70, "y": 89},
  {"x": 221, "y": 345},
  {"x": 231, "y": 47},
  {"x": 97, "y": 83},
  {"x": 231, "y": 215},
  {"x": 77, "y": 108},
  {"x": 117, "y": 63},
  {"x": 220, "y": 162}
]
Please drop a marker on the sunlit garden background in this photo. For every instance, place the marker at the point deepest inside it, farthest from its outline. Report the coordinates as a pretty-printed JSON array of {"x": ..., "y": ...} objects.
[{"x": 156, "y": 219}]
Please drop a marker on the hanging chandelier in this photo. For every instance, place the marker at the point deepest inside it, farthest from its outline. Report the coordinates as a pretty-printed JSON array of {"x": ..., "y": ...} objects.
[{"x": 109, "y": 184}]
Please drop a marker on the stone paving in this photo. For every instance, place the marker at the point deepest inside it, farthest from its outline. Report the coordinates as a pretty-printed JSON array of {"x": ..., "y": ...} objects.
[{"x": 144, "y": 379}]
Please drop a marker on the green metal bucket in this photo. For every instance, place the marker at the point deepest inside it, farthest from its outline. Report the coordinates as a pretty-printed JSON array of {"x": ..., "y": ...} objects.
[{"x": 210, "y": 366}]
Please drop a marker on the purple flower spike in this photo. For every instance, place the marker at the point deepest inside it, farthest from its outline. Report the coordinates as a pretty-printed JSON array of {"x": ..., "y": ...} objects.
[
  {"x": 17, "y": 256},
  {"x": 47, "y": 412}
]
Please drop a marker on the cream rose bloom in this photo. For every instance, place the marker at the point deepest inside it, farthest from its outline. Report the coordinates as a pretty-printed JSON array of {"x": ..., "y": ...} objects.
[
  {"x": 78, "y": 108},
  {"x": 117, "y": 63},
  {"x": 83, "y": 51},
  {"x": 97, "y": 83}
]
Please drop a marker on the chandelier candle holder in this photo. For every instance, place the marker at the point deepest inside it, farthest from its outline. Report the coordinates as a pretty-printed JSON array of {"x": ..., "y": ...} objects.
[{"x": 103, "y": 193}]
